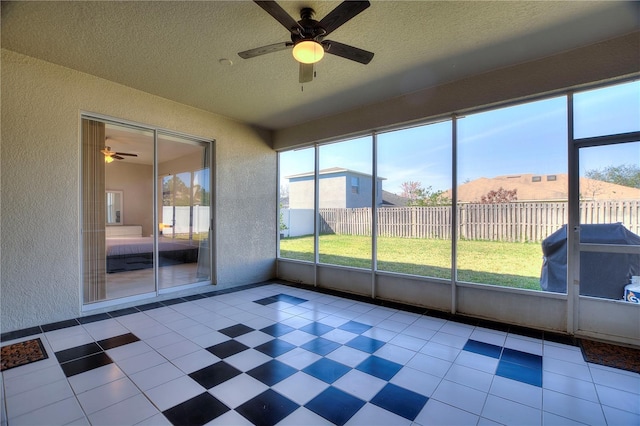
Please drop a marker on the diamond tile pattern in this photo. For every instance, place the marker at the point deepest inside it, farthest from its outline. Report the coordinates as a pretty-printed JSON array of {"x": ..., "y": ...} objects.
[{"x": 275, "y": 354}]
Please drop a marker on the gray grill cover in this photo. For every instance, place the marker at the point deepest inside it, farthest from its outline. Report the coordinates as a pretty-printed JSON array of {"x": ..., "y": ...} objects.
[{"x": 601, "y": 274}]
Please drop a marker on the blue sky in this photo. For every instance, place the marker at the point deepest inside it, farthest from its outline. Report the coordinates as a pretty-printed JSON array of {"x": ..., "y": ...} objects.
[{"x": 525, "y": 138}]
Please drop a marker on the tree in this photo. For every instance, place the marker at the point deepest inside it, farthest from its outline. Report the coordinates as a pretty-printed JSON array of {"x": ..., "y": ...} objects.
[
  {"x": 500, "y": 196},
  {"x": 419, "y": 196},
  {"x": 624, "y": 174}
]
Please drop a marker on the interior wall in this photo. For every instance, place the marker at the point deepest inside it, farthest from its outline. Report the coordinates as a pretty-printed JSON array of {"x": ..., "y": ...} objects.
[
  {"x": 40, "y": 205},
  {"x": 136, "y": 183}
]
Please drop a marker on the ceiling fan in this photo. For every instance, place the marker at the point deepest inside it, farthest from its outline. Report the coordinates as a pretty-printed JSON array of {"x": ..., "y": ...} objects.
[
  {"x": 109, "y": 155},
  {"x": 307, "y": 36}
]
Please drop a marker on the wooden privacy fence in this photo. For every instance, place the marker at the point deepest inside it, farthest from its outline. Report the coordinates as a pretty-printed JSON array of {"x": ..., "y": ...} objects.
[{"x": 515, "y": 222}]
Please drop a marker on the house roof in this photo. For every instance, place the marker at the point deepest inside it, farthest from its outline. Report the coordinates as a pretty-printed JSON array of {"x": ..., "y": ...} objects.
[
  {"x": 330, "y": 171},
  {"x": 546, "y": 188},
  {"x": 187, "y": 51}
]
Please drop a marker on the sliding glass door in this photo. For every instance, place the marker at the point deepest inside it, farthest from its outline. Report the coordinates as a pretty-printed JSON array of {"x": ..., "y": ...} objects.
[{"x": 146, "y": 215}]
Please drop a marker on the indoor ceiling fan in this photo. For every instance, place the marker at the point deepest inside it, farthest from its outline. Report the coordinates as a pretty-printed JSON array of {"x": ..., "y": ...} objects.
[
  {"x": 109, "y": 155},
  {"x": 307, "y": 36}
]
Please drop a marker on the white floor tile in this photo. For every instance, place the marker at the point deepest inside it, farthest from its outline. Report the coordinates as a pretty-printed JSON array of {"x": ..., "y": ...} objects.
[
  {"x": 156, "y": 420},
  {"x": 408, "y": 342},
  {"x": 564, "y": 353},
  {"x": 477, "y": 361},
  {"x": 348, "y": 356},
  {"x": 550, "y": 419},
  {"x": 174, "y": 392},
  {"x": 195, "y": 361},
  {"x": 140, "y": 362},
  {"x": 617, "y": 380},
  {"x": 569, "y": 386},
  {"x": 59, "y": 413},
  {"x": 37, "y": 398},
  {"x": 524, "y": 344},
  {"x": 448, "y": 339},
  {"x": 300, "y": 387},
  {"x": 444, "y": 414},
  {"x": 299, "y": 358},
  {"x": 423, "y": 333},
  {"x": 438, "y": 350},
  {"x": 300, "y": 417},
  {"x": 459, "y": 396},
  {"x": 238, "y": 390},
  {"x": 510, "y": 413},
  {"x": 573, "y": 408},
  {"x": 127, "y": 351},
  {"x": 178, "y": 349},
  {"x": 247, "y": 359},
  {"x": 95, "y": 378},
  {"x": 428, "y": 364},
  {"x": 372, "y": 415},
  {"x": 254, "y": 338},
  {"x": 26, "y": 382},
  {"x": 470, "y": 377},
  {"x": 619, "y": 399},
  {"x": 156, "y": 375},
  {"x": 515, "y": 391},
  {"x": 106, "y": 395},
  {"x": 615, "y": 416},
  {"x": 566, "y": 368},
  {"x": 395, "y": 353},
  {"x": 416, "y": 381},
  {"x": 360, "y": 385},
  {"x": 131, "y": 411}
]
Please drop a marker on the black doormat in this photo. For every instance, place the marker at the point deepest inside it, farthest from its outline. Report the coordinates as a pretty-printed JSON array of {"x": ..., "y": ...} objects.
[
  {"x": 22, "y": 353},
  {"x": 615, "y": 356}
]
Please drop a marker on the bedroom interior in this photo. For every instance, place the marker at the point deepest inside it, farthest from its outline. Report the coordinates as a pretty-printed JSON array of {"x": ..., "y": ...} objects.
[{"x": 181, "y": 232}]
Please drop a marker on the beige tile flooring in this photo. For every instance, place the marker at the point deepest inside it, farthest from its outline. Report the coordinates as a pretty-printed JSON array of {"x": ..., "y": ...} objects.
[{"x": 130, "y": 283}]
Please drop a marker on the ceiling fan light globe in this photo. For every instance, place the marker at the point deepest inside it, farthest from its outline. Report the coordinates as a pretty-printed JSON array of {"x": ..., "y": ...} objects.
[
  {"x": 108, "y": 159},
  {"x": 308, "y": 52}
]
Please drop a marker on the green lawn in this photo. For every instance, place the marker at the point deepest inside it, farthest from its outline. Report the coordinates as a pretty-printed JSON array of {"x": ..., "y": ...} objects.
[{"x": 487, "y": 262}]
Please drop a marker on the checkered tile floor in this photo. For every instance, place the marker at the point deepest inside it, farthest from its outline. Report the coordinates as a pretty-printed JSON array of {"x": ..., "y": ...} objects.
[{"x": 275, "y": 354}]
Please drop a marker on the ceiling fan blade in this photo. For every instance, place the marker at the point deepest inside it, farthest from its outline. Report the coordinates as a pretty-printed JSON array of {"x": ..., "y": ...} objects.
[
  {"x": 341, "y": 14},
  {"x": 274, "y": 9},
  {"x": 348, "y": 52},
  {"x": 127, "y": 154},
  {"x": 306, "y": 73},
  {"x": 117, "y": 157},
  {"x": 252, "y": 53}
]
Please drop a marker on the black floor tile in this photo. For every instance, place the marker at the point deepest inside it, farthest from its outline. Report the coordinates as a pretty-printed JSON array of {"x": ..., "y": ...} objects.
[
  {"x": 277, "y": 330},
  {"x": 148, "y": 306},
  {"x": 482, "y": 348},
  {"x": 236, "y": 330},
  {"x": 77, "y": 352},
  {"x": 213, "y": 375},
  {"x": 365, "y": 344},
  {"x": 290, "y": 299},
  {"x": 267, "y": 409},
  {"x": 60, "y": 325},
  {"x": 114, "y": 342},
  {"x": 194, "y": 297},
  {"x": 355, "y": 327},
  {"x": 274, "y": 348},
  {"x": 93, "y": 318},
  {"x": 87, "y": 363},
  {"x": 520, "y": 373},
  {"x": 266, "y": 301},
  {"x": 123, "y": 312},
  {"x": 335, "y": 405},
  {"x": 327, "y": 370},
  {"x": 19, "y": 334},
  {"x": 196, "y": 411},
  {"x": 272, "y": 372},
  {"x": 522, "y": 358},
  {"x": 228, "y": 348},
  {"x": 321, "y": 346},
  {"x": 316, "y": 328},
  {"x": 379, "y": 367},
  {"x": 400, "y": 401},
  {"x": 173, "y": 301}
]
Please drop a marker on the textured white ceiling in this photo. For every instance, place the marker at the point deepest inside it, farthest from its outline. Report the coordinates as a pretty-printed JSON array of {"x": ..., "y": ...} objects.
[{"x": 177, "y": 49}]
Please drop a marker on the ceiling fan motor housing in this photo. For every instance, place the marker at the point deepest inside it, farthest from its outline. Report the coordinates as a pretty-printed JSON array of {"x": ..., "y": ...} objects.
[{"x": 310, "y": 30}]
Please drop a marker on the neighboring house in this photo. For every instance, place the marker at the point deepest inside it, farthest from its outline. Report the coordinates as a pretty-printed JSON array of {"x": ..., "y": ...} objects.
[
  {"x": 339, "y": 188},
  {"x": 531, "y": 187}
]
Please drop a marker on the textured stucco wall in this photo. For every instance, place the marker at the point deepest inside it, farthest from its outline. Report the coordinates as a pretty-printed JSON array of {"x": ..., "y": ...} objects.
[{"x": 40, "y": 177}]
